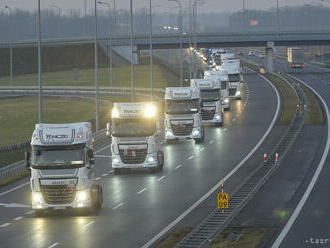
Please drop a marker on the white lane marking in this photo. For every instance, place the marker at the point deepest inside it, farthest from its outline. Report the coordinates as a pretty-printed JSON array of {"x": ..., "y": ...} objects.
[
  {"x": 161, "y": 178},
  {"x": 191, "y": 157},
  {"x": 29, "y": 212},
  {"x": 311, "y": 185},
  {"x": 18, "y": 218},
  {"x": 215, "y": 187},
  {"x": 89, "y": 223},
  {"x": 102, "y": 149},
  {"x": 53, "y": 245},
  {"x": 177, "y": 167},
  {"x": 5, "y": 225},
  {"x": 211, "y": 141},
  {"x": 202, "y": 149},
  {"x": 105, "y": 174},
  {"x": 102, "y": 156},
  {"x": 142, "y": 190},
  {"x": 98, "y": 178},
  {"x": 27, "y": 183},
  {"x": 110, "y": 171},
  {"x": 17, "y": 187},
  {"x": 118, "y": 206}
]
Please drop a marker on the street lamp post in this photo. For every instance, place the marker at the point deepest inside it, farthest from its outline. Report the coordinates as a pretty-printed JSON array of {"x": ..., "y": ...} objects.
[
  {"x": 190, "y": 34},
  {"x": 181, "y": 41},
  {"x": 10, "y": 45},
  {"x": 110, "y": 40},
  {"x": 59, "y": 15},
  {"x": 151, "y": 52},
  {"x": 278, "y": 17},
  {"x": 132, "y": 55},
  {"x": 96, "y": 68},
  {"x": 39, "y": 64}
]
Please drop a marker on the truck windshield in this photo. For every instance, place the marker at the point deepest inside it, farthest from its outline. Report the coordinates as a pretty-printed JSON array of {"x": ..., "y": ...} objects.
[
  {"x": 57, "y": 157},
  {"x": 223, "y": 85},
  {"x": 182, "y": 106},
  {"x": 210, "y": 95},
  {"x": 133, "y": 127},
  {"x": 234, "y": 77}
]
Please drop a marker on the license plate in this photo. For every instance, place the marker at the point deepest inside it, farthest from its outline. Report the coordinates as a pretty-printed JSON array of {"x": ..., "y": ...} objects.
[{"x": 59, "y": 208}]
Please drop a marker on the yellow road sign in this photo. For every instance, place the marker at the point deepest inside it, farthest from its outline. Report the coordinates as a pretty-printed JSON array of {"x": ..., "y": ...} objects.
[{"x": 223, "y": 200}]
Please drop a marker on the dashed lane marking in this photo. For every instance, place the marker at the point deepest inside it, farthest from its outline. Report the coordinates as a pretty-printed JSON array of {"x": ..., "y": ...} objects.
[
  {"x": 118, "y": 206},
  {"x": 142, "y": 190},
  {"x": 191, "y": 157},
  {"x": 177, "y": 167},
  {"x": 5, "y": 225},
  {"x": 161, "y": 178},
  {"x": 53, "y": 245},
  {"x": 18, "y": 218},
  {"x": 89, "y": 223}
]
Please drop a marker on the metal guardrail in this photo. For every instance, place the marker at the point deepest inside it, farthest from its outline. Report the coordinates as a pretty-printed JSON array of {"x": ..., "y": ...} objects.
[
  {"x": 217, "y": 220},
  {"x": 19, "y": 167}
]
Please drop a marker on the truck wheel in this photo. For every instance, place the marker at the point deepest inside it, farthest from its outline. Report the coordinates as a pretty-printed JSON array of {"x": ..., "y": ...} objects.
[
  {"x": 39, "y": 212},
  {"x": 99, "y": 197},
  {"x": 118, "y": 171},
  {"x": 160, "y": 158},
  {"x": 219, "y": 124},
  {"x": 170, "y": 141}
]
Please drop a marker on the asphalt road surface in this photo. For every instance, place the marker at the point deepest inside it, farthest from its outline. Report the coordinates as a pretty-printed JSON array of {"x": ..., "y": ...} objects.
[{"x": 138, "y": 205}]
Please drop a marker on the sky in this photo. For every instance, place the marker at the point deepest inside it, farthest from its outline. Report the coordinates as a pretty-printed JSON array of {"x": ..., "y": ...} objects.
[{"x": 160, "y": 5}]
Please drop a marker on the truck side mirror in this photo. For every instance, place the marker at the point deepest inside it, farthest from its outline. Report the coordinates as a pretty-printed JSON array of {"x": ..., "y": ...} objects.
[
  {"x": 108, "y": 131},
  {"x": 27, "y": 160}
]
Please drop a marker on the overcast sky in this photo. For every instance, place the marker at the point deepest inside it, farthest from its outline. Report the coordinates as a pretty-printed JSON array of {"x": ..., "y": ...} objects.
[{"x": 160, "y": 5}]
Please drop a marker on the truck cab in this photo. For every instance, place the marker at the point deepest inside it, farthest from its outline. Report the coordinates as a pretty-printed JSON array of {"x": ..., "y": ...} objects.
[
  {"x": 220, "y": 76},
  {"x": 211, "y": 100},
  {"x": 183, "y": 114},
  {"x": 135, "y": 136},
  {"x": 235, "y": 76},
  {"x": 61, "y": 161}
]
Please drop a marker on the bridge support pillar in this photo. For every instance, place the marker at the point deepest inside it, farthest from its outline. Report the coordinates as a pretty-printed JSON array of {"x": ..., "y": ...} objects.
[{"x": 270, "y": 56}]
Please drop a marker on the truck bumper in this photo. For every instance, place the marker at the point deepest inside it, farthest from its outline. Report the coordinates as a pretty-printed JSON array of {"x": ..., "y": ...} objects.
[
  {"x": 150, "y": 162},
  {"x": 195, "y": 134},
  {"x": 38, "y": 203}
]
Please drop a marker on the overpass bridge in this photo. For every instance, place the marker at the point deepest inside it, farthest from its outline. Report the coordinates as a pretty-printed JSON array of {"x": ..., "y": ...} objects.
[{"x": 269, "y": 40}]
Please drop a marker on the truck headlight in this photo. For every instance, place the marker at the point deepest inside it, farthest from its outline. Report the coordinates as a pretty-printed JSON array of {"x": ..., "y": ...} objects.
[
  {"x": 82, "y": 196},
  {"x": 226, "y": 100},
  {"x": 168, "y": 134},
  {"x": 238, "y": 93},
  {"x": 151, "y": 160},
  {"x": 195, "y": 133},
  {"x": 36, "y": 197},
  {"x": 217, "y": 117},
  {"x": 116, "y": 161}
]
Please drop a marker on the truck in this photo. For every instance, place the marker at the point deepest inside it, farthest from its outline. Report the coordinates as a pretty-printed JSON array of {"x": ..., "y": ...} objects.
[
  {"x": 183, "y": 114},
  {"x": 235, "y": 76},
  {"x": 61, "y": 160},
  {"x": 220, "y": 76},
  {"x": 136, "y": 137},
  {"x": 211, "y": 100},
  {"x": 295, "y": 57}
]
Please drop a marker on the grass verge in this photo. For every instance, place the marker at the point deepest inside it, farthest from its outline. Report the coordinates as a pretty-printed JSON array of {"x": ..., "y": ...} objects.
[
  {"x": 175, "y": 237},
  {"x": 314, "y": 113},
  {"x": 249, "y": 237}
]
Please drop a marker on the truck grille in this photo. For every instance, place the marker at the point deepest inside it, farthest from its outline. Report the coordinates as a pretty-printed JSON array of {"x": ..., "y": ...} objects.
[
  {"x": 232, "y": 91},
  {"x": 208, "y": 114},
  {"x": 133, "y": 156},
  {"x": 182, "y": 129},
  {"x": 58, "y": 194}
]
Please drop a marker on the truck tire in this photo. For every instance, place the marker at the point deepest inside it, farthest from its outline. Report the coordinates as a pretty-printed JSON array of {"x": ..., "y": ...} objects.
[
  {"x": 99, "y": 197},
  {"x": 118, "y": 171},
  {"x": 170, "y": 141},
  {"x": 201, "y": 140},
  {"x": 160, "y": 158},
  {"x": 219, "y": 124},
  {"x": 40, "y": 212}
]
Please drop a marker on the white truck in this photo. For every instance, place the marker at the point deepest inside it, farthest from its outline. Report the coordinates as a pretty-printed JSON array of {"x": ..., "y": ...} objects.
[
  {"x": 135, "y": 136},
  {"x": 61, "y": 161},
  {"x": 235, "y": 75},
  {"x": 296, "y": 57},
  {"x": 220, "y": 76},
  {"x": 183, "y": 114},
  {"x": 211, "y": 100}
]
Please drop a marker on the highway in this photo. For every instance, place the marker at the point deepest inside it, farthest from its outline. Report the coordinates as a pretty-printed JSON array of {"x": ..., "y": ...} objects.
[
  {"x": 137, "y": 206},
  {"x": 309, "y": 225}
]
